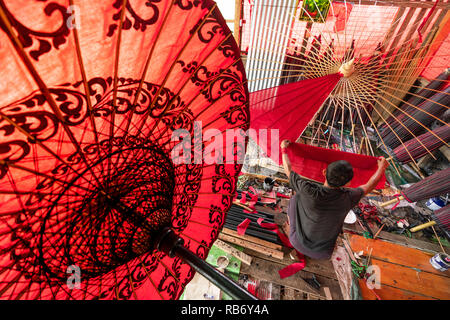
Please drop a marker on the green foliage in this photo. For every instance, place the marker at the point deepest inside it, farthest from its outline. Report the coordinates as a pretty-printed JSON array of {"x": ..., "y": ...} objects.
[
  {"x": 313, "y": 5},
  {"x": 317, "y": 10}
]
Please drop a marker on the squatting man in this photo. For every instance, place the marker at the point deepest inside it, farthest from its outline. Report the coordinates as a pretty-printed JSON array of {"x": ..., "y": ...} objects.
[{"x": 317, "y": 212}]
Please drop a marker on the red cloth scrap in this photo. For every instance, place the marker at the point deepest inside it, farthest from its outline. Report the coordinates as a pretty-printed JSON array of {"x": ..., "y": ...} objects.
[
  {"x": 282, "y": 195},
  {"x": 253, "y": 200},
  {"x": 242, "y": 227},
  {"x": 243, "y": 199},
  {"x": 310, "y": 161}
]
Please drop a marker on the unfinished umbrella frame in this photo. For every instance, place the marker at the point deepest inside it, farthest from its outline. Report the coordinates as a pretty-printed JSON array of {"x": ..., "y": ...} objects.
[{"x": 381, "y": 50}]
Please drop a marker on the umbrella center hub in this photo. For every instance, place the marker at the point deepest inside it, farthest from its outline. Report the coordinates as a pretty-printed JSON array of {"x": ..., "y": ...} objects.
[{"x": 119, "y": 218}]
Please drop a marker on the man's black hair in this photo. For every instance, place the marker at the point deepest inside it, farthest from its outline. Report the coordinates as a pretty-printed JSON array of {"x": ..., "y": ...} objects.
[{"x": 338, "y": 173}]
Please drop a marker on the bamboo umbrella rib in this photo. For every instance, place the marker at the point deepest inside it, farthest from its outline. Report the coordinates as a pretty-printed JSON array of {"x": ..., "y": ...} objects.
[
  {"x": 330, "y": 59},
  {"x": 366, "y": 138},
  {"x": 170, "y": 271},
  {"x": 115, "y": 82},
  {"x": 147, "y": 65},
  {"x": 40, "y": 83},
  {"x": 401, "y": 30},
  {"x": 293, "y": 57},
  {"x": 342, "y": 120},
  {"x": 209, "y": 84},
  {"x": 167, "y": 76},
  {"x": 280, "y": 77},
  {"x": 188, "y": 104},
  {"x": 402, "y": 61},
  {"x": 150, "y": 278},
  {"x": 332, "y": 121},
  {"x": 130, "y": 279},
  {"x": 116, "y": 286},
  {"x": 414, "y": 86},
  {"x": 12, "y": 165},
  {"x": 321, "y": 120},
  {"x": 212, "y": 104},
  {"x": 395, "y": 134},
  {"x": 380, "y": 137},
  {"x": 417, "y": 107},
  {"x": 145, "y": 116},
  {"x": 359, "y": 71},
  {"x": 172, "y": 101},
  {"x": 407, "y": 114},
  {"x": 352, "y": 132},
  {"x": 85, "y": 82},
  {"x": 357, "y": 66},
  {"x": 295, "y": 51},
  {"x": 394, "y": 24},
  {"x": 36, "y": 141},
  {"x": 385, "y": 64}
]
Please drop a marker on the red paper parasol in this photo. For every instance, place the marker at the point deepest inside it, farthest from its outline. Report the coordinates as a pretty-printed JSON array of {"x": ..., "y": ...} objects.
[{"x": 90, "y": 96}]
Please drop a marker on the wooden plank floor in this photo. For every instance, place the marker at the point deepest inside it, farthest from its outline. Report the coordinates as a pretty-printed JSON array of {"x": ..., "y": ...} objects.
[
  {"x": 268, "y": 271},
  {"x": 405, "y": 273}
]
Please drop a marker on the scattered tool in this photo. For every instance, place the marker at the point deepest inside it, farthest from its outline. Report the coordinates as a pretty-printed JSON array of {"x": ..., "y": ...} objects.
[
  {"x": 313, "y": 282},
  {"x": 379, "y": 230},
  {"x": 363, "y": 223},
  {"x": 440, "y": 217}
]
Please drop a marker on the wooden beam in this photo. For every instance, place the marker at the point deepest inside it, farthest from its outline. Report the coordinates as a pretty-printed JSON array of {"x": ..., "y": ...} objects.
[
  {"x": 327, "y": 293},
  {"x": 270, "y": 252},
  {"x": 268, "y": 271},
  {"x": 443, "y": 29},
  {"x": 237, "y": 21},
  {"x": 399, "y": 239},
  {"x": 319, "y": 267},
  {"x": 412, "y": 280},
  {"x": 417, "y": 22},
  {"x": 389, "y": 293},
  {"x": 259, "y": 176},
  {"x": 245, "y": 258},
  {"x": 395, "y": 253}
]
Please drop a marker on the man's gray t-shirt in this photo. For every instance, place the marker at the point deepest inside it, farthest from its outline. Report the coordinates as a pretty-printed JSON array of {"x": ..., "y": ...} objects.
[{"x": 319, "y": 213}]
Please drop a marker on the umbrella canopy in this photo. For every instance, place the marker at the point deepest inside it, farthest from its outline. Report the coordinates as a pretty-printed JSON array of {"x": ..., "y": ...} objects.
[
  {"x": 419, "y": 146},
  {"x": 432, "y": 186},
  {"x": 95, "y": 98},
  {"x": 286, "y": 110}
]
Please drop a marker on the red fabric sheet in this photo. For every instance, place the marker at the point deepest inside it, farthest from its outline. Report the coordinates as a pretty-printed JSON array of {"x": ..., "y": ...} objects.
[
  {"x": 242, "y": 227},
  {"x": 288, "y": 108},
  {"x": 309, "y": 161}
]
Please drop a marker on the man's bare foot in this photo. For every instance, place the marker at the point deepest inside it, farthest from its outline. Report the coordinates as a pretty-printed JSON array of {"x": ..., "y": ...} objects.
[
  {"x": 293, "y": 255},
  {"x": 286, "y": 228}
]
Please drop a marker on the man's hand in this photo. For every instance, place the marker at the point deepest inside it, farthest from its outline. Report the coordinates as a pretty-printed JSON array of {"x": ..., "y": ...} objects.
[
  {"x": 375, "y": 178},
  {"x": 286, "y": 162},
  {"x": 285, "y": 143},
  {"x": 382, "y": 163}
]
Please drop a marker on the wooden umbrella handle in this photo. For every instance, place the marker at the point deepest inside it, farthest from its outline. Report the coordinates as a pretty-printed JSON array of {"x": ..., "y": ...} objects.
[
  {"x": 384, "y": 204},
  {"x": 423, "y": 226}
]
